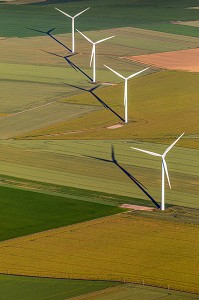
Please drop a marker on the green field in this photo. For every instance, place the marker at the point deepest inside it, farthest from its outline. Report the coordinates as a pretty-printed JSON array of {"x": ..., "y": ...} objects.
[
  {"x": 25, "y": 212},
  {"x": 137, "y": 292},
  {"x": 23, "y": 288},
  {"x": 113, "y": 13},
  {"x": 89, "y": 165}
]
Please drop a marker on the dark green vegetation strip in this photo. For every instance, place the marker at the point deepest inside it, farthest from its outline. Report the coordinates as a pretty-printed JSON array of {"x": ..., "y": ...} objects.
[
  {"x": 23, "y": 288},
  {"x": 73, "y": 192},
  {"x": 25, "y": 212},
  {"x": 157, "y": 15}
]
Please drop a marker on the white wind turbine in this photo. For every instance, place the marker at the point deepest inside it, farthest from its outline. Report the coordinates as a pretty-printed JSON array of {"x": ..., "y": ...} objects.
[
  {"x": 125, "y": 89},
  {"x": 164, "y": 167},
  {"x": 73, "y": 24},
  {"x": 93, "y": 56}
]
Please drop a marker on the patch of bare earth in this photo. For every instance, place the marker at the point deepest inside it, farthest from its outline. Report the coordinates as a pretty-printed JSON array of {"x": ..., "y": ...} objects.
[
  {"x": 115, "y": 126},
  {"x": 187, "y": 23},
  {"x": 186, "y": 60},
  {"x": 136, "y": 207},
  {"x": 193, "y": 7}
]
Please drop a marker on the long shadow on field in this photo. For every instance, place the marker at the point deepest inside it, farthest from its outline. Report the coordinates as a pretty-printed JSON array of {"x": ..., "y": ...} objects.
[
  {"x": 139, "y": 184},
  {"x": 51, "y": 36},
  {"x": 91, "y": 91},
  {"x": 74, "y": 66}
]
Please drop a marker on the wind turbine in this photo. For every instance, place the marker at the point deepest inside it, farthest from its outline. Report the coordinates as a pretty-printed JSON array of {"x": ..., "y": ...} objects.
[
  {"x": 126, "y": 89},
  {"x": 73, "y": 24},
  {"x": 93, "y": 56},
  {"x": 164, "y": 167}
]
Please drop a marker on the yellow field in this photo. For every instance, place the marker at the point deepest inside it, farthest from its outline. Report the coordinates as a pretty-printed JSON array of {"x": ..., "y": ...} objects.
[{"x": 124, "y": 247}]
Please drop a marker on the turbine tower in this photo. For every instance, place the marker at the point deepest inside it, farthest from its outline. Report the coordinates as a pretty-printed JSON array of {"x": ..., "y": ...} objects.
[
  {"x": 93, "y": 56},
  {"x": 73, "y": 24},
  {"x": 126, "y": 89},
  {"x": 164, "y": 168}
]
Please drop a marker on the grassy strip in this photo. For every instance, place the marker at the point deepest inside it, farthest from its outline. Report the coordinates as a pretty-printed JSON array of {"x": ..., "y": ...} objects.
[
  {"x": 24, "y": 288},
  {"x": 25, "y": 212}
]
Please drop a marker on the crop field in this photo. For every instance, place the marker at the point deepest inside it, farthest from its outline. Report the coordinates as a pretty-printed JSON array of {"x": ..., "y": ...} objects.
[
  {"x": 37, "y": 75},
  {"x": 144, "y": 14},
  {"x": 124, "y": 247},
  {"x": 106, "y": 166},
  {"x": 157, "y": 105},
  {"x": 24, "y": 212},
  {"x": 175, "y": 60},
  {"x": 66, "y": 160},
  {"x": 136, "y": 292},
  {"x": 23, "y": 288}
]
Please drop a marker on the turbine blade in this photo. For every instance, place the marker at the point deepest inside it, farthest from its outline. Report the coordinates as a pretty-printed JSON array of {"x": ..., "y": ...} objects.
[
  {"x": 92, "y": 54},
  {"x": 166, "y": 170},
  {"x": 171, "y": 146},
  {"x": 110, "y": 37},
  {"x": 85, "y": 36},
  {"x": 135, "y": 74},
  {"x": 148, "y": 152},
  {"x": 115, "y": 72},
  {"x": 81, "y": 12},
  {"x": 63, "y": 12}
]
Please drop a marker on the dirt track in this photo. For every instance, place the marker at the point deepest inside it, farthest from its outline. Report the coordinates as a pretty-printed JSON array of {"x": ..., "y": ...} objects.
[{"x": 186, "y": 60}]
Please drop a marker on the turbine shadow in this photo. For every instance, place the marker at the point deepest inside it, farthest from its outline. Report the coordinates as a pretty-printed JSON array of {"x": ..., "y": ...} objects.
[
  {"x": 91, "y": 91},
  {"x": 51, "y": 36},
  {"x": 74, "y": 66},
  {"x": 139, "y": 184}
]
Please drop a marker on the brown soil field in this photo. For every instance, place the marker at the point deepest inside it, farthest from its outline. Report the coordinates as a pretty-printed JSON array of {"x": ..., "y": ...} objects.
[
  {"x": 124, "y": 247},
  {"x": 186, "y": 60}
]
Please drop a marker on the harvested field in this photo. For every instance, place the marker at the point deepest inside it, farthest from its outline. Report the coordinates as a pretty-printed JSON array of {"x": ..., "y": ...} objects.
[
  {"x": 122, "y": 247},
  {"x": 186, "y": 60}
]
